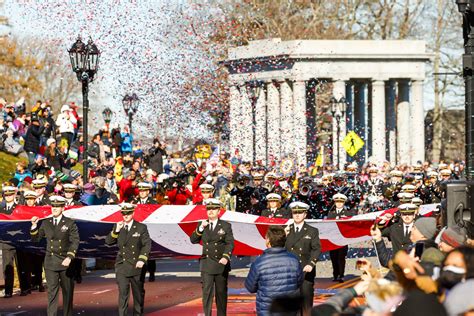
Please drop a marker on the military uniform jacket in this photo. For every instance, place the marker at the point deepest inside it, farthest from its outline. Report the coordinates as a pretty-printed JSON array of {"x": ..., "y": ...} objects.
[
  {"x": 279, "y": 213},
  {"x": 62, "y": 241},
  {"x": 148, "y": 200},
  {"x": 216, "y": 244},
  {"x": 134, "y": 246},
  {"x": 397, "y": 236},
  {"x": 345, "y": 212},
  {"x": 305, "y": 245},
  {"x": 8, "y": 211}
]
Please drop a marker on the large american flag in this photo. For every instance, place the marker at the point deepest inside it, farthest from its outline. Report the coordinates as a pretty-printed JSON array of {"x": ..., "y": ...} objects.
[{"x": 170, "y": 227}]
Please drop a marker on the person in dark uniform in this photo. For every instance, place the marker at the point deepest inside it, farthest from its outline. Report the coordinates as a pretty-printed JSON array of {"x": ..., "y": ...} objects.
[
  {"x": 338, "y": 256},
  {"x": 40, "y": 188},
  {"x": 134, "y": 243},
  {"x": 217, "y": 246},
  {"x": 243, "y": 193},
  {"x": 274, "y": 209},
  {"x": 70, "y": 196},
  {"x": 9, "y": 255},
  {"x": 62, "y": 241},
  {"x": 36, "y": 260},
  {"x": 398, "y": 229},
  {"x": 303, "y": 241},
  {"x": 144, "y": 197}
]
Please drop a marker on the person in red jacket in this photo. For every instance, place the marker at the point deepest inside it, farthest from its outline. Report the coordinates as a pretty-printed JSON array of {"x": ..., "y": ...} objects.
[
  {"x": 128, "y": 187},
  {"x": 178, "y": 194}
]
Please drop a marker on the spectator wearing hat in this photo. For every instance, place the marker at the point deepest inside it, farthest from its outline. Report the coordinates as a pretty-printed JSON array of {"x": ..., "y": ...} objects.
[
  {"x": 65, "y": 122},
  {"x": 452, "y": 238},
  {"x": 459, "y": 300},
  {"x": 22, "y": 172},
  {"x": 274, "y": 209},
  {"x": 218, "y": 243},
  {"x": 33, "y": 139},
  {"x": 134, "y": 243},
  {"x": 457, "y": 267},
  {"x": 62, "y": 241},
  {"x": 110, "y": 182},
  {"x": 54, "y": 158},
  {"x": 145, "y": 198},
  {"x": 303, "y": 241},
  {"x": 128, "y": 186},
  {"x": 338, "y": 256}
]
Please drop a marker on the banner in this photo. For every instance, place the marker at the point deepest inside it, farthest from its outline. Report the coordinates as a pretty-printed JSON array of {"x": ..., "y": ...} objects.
[{"x": 170, "y": 227}]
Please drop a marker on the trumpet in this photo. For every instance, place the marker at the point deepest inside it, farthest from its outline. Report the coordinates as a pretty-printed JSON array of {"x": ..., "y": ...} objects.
[
  {"x": 268, "y": 186},
  {"x": 305, "y": 189}
]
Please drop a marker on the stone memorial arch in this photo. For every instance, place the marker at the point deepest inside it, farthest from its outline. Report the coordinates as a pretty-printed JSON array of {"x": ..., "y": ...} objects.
[{"x": 382, "y": 82}]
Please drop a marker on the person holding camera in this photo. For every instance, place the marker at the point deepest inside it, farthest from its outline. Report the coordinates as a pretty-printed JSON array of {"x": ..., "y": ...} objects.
[
  {"x": 178, "y": 194},
  {"x": 33, "y": 139},
  {"x": 155, "y": 156}
]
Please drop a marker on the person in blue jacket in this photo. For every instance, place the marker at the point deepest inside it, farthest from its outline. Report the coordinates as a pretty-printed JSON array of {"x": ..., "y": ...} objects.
[{"x": 277, "y": 273}]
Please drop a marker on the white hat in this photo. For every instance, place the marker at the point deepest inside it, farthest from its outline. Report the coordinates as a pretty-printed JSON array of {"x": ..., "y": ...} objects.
[
  {"x": 396, "y": 173},
  {"x": 8, "y": 189},
  {"x": 144, "y": 186},
  {"x": 273, "y": 197},
  {"x": 417, "y": 201},
  {"x": 212, "y": 203},
  {"x": 299, "y": 206},
  {"x": 339, "y": 197},
  {"x": 69, "y": 187},
  {"x": 29, "y": 193},
  {"x": 149, "y": 172},
  {"x": 445, "y": 172},
  {"x": 50, "y": 141},
  {"x": 39, "y": 183},
  {"x": 432, "y": 174},
  {"x": 57, "y": 200},
  {"x": 205, "y": 187},
  {"x": 405, "y": 195},
  {"x": 65, "y": 108},
  {"x": 408, "y": 188}
]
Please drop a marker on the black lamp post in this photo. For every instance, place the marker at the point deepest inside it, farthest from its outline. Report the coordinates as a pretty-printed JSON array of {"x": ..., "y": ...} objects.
[
  {"x": 107, "y": 115},
  {"x": 338, "y": 109},
  {"x": 253, "y": 91},
  {"x": 85, "y": 63},
  {"x": 130, "y": 105}
]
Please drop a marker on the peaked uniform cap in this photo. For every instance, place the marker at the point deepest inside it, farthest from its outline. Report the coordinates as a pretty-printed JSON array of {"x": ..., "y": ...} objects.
[
  {"x": 396, "y": 173},
  {"x": 273, "y": 197},
  {"x": 408, "y": 188},
  {"x": 445, "y": 172},
  {"x": 417, "y": 201},
  {"x": 28, "y": 194},
  {"x": 39, "y": 183},
  {"x": 69, "y": 187},
  {"x": 299, "y": 206},
  {"x": 407, "y": 208},
  {"x": 144, "y": 186},
  {"x": 57, "y": 200},
  {"x": 339, "y": 197},
  {"x": 127, "y": 207},
  {"x": 212, "y": 204},
  {"x": 206, "y": 187},
  {"x": 8, "y": 190}
]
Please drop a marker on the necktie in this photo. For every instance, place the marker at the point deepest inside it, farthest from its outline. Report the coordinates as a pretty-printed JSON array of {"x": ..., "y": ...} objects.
[
  {"x": 211, "y": 228},
  {"x": 126, "y": 228},
  {"x": 297, "y": 230},
  {"x": 407, "y": 230},
  {"x": 55, "y": 222}
]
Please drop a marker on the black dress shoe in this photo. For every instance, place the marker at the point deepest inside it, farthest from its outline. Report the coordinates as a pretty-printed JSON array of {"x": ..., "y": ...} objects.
[
  {"x": 78, "y": 279},
  {"x": 335, "y": 279},
  {"x": 25, "y": 293},
  {"x": 151, "y": 278},
  {"x": 35, "y": 288},
  {"x": 7, "y": 295},
  {"x": 41, "y": 288},
  {"x": 340, "y": 280}
]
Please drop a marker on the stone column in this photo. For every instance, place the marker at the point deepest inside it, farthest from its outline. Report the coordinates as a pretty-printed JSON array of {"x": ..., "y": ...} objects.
[
  {"x": 403, "y": 123},
  {"x": 378, "y": 121},
  {"x": 246, "y": 135},
  {"x": 391, "y": 123},
  {"x": 359, "y": 119},
  {"x": 417, "y": 122},
  {"x": 261, "y": 127},
  {"x": 339, "y": 91},
  {"x": 286, "y": 123},
  {"x": 299, "y": 121},
  {"x": 273, "y": 120},
  {"x": 235, "y": 118}
]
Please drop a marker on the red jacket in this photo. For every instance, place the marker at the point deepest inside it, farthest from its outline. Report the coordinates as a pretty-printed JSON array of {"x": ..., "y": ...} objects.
[
  {"x": 197, "y": 194},
  {"x": 178, "y": 198},
  {"x": 126, "y": 190}
]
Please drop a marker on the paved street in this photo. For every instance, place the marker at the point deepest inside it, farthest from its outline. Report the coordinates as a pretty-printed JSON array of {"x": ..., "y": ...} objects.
[{"x": 177, "y": 290}]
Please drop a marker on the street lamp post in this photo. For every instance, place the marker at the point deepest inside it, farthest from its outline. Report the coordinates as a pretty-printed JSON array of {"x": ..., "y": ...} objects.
[
  {"x": 107, "y": 115},
  {"x": 338, "y": 109},
  {"x": 85, "y": 63},
  {"x": 253, "y": 91},
  {"x": 130, "y": 105}
]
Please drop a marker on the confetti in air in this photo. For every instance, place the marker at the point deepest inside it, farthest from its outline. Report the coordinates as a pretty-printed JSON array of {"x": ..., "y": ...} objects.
[{"x": 152, "y": 48}]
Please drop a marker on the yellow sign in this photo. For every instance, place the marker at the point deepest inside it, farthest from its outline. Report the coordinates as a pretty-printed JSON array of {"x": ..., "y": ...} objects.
[{"x": 352, "y": 143}]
